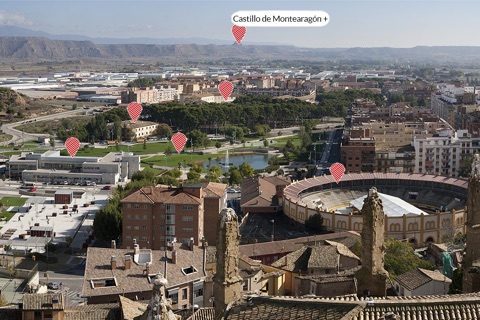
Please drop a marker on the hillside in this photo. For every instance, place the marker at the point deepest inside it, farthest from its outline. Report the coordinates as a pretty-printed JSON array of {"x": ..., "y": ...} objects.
[
  {"x": 10, "y": 98},
  {"x": 41, "y": 49}
]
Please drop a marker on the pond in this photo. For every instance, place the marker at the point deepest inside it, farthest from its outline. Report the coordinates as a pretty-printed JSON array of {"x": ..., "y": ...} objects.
[{"x": 257, "y": 161}]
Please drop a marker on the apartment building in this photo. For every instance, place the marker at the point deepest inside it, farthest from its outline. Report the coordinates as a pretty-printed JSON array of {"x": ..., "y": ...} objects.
[
  {"x": 444, "y": 155},
  {"x": 155, "y": 216},
  {"x": 358, "y": 154},
  {"x": 445, "y": 100},
  {"x": 149, "y": 95}
]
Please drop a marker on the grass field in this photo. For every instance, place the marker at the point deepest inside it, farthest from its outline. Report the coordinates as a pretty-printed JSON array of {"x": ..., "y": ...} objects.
[{"x": 11, "y": 202}]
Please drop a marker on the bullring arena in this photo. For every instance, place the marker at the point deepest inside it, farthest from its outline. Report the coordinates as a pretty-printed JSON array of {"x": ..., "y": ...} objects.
[{"x": 419, "y": 208}]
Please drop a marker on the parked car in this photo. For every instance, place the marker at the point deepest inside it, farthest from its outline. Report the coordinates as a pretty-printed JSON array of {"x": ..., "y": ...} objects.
[
  {"x": 33, "y": 189},
  {"x": 107, "y": 188},
  {"x": 52, "y": 286}
]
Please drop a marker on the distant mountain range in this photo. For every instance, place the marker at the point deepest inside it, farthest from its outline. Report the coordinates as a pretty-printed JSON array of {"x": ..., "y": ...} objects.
[
  {"x": 24, "y": 44},
  {"x": 12, "y": 31}
]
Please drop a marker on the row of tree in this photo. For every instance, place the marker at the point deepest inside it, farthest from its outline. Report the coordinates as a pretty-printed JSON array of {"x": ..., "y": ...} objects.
[{"x": 251, "y": 111}]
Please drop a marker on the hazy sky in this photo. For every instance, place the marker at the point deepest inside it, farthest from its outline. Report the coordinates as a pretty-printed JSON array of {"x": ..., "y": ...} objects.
[{"x": 355, "y": 23}]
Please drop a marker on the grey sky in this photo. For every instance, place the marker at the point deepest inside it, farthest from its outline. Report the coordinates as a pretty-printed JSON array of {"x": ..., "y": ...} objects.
[{"x": 355, "y": 23}]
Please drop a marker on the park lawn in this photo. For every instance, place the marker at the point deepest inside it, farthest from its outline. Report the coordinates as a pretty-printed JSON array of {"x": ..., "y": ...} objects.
[
  {"x": 153, "y": 147},
  {"x": 281, "y": 141},
  {"x": 13, "y": 201},
  {"x": 155, "y": 171},
  {"x": 7, "y": 214}
]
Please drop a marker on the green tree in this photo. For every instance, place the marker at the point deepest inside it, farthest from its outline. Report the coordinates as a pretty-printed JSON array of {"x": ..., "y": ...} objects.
[
  {"x": 400, "y": 258},
  {"x": 305, "y": 138},
  {"x": 163, "y": 131},
  {"x": 466, "y": 169},
  {"x": 168, "y": 150},
  {"x": 193, "y": 175},
  {"x": 145, "y": 174},
  {"x": 107, "y": 224},
  {"x": 197, "y": 138},
  {"x": 457, "y": 282},
  {"x": 69, "y": 241},
  {"x": 144, "y": 144},
  {"x": 218, "y": 144},
  {"x": 265, "y": 143},
  {"x": 315, "y": 222},
  {"x": 235, "y": 177},
  {"x": 51, "y": 247},
  {"x": 52, "y": 141},
  {"x": 127, "y": 133},
  {"x": 246, "y": 170},
  {"x": 214, "y": 174}
]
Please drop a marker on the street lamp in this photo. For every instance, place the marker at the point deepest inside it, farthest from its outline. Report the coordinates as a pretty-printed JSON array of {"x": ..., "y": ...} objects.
[
  {"x": 273, "y": 229},
  {"x": 193, "y": 277}
]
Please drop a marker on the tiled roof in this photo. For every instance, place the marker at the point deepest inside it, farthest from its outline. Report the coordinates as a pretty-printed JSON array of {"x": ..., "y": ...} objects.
[
  {"x": 43, "y": 301},
  {"x": 294, "y": 261},
  {"x": 342, "y": 249},
  {"x": 161, "y": 194},
  {"x": 260, "y": 191},
  {"x": 132, "y": 309},
  {"x": 323, "y": 256},
  {"x": 416, "y": 278},
  {"x": 134, "y": 280},
  {"x": 435, "y": 275},
  {"x": 214, "y": 189},
  {"x": 206, "y": 313},
  {"x": 285, "y": 246},
  {"x": 453, "y": 307},
  {"x": 277, "y": 181},
  {"x": 106, "y": 311},
  {"x": 263, "y": 308}
]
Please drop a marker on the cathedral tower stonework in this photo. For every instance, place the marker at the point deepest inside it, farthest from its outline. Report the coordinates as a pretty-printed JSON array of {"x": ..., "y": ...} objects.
[
  {"x": 471, "y": 261},
  {"x": 371, "y": 279},
  {"x": 227, "y": 283}
]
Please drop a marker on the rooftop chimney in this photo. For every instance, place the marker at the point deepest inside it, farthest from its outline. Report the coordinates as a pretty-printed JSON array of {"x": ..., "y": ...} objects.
[
  {"x": 128, "y": 261},
  {"x": 147, "y": 268},
  {"x": 55, "y": 302},
  {"x": 174, "y": 256},
  {"x": 190, "y": 244},
  {"x": 113, "y": 262},
  {"x": 136, "y": 249},
  {"x": 114, "y": 244}
]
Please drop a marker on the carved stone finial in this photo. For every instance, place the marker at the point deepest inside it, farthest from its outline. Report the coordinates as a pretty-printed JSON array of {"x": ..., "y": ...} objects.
[
  {"x": 475, "y": 166},
  {"x": 159, "y": 308}
]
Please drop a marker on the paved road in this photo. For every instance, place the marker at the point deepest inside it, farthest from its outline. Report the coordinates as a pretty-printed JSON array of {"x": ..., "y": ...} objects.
[
  {"x": 71, "y": 280},
  {"x": 19, "y": 136}
]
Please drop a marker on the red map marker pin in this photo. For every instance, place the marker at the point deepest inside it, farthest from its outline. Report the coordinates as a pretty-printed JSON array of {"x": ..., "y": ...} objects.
[
  {"x": 179, "y": 140},
  {"x": 134, "y": 110},
  {"x": 226, "y": 89},
  {"x": 72, "y": 144},
  {"x": 238, "y": 32},
  {"x": 337, "y": 170}
]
